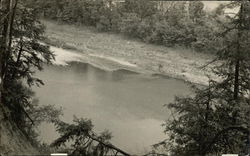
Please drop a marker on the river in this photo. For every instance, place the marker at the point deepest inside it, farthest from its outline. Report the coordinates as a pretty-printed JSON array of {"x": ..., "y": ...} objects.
[{"x": 128, "y": 104}]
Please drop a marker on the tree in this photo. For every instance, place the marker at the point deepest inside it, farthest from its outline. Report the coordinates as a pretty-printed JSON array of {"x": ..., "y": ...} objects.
[
  {"x": 83, "y": 140},
  {"x": 216, "y": 119},
  {"x": 143, "y": 8},
  {"x": 6, "y": 8},
  {"x": 194, "y": 124},
  {"x": 39, "y": 114},
  {"x": 21, "y": 54},
  {"x": 196, "y": 11}
]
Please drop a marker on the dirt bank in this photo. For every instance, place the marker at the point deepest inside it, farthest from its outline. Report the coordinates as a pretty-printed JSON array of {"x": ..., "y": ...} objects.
[{"x": 12, "y": 140}]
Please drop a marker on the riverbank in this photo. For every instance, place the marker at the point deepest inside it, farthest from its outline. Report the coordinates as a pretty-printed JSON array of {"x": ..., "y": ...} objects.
[{"x": 113, "y": 52}]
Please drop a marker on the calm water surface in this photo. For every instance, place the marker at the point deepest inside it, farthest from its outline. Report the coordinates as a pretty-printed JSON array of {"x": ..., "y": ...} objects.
[{"x": 128, "y": 104}]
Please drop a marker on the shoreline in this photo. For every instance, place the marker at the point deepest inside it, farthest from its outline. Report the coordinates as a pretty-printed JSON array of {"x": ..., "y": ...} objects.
[
  {"x": 125, "y": 68},
  {"x": 114, "y": 52}
]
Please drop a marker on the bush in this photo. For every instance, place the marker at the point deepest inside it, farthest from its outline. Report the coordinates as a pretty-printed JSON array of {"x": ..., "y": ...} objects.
[
  {"x": 103, "y": 24},
  {"x": 129, "y": 24},
  {"x": 109, "y": 20},
  {"x": 206, "y": 38}
]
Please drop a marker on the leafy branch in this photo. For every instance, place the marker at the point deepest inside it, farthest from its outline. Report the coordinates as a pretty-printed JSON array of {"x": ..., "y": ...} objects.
[{"x": 83, "y": 140}]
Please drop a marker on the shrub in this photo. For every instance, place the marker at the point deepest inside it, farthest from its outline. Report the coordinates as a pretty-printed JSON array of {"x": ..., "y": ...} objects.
[{"x": 129, "y": 24}]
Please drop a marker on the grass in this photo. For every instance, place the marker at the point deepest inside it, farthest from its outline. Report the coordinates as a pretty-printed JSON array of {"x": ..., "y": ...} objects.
[{"x": 176, "y": 62}]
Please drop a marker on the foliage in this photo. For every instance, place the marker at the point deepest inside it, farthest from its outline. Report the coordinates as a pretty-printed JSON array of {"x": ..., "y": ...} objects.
[
  {"x": 129, "y": 24},
  {"x": 39, "y": 114},
  {"x": 110, "y": 17},
  {"x": 181, "y": 24},
  {"x": 82, "y": 139},
  {"x": 24, "y": 56},
  {"x": 216, "y": 119},
  {"x": 143, "y": 8},
  {"x": 213, "y": 121},
  {"x": 196, "y": 11},
  {"x": 22, "y": 53}
]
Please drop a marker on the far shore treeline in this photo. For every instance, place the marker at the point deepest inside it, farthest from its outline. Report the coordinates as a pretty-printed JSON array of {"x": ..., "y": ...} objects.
[{"x": 169, "y": 23}]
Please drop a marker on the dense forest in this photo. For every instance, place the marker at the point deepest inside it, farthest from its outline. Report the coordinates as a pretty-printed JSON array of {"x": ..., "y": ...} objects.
[
  {"x": 213, "y": 121},
  {"x": 171, "y": 24}
]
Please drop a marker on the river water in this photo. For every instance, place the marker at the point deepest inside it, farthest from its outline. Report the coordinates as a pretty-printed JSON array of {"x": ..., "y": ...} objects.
[{"x": 128, "y": 104}]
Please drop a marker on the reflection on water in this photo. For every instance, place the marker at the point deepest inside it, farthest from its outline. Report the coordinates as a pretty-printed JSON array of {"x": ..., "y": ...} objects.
[{"x": 128, "y": 104}]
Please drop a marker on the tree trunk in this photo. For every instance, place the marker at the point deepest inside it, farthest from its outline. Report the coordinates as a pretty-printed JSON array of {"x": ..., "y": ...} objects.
[
  {"x": 3, "y": 42},
  {"x": 236, "y": 79},
  {"x": 238, "y": 57},
  {"x": 12, "y": 8}
]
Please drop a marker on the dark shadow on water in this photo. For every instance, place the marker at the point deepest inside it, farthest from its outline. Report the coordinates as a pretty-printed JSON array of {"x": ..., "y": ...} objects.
[
  {"x": 88, "y": 69},
  {"x": 125, "y": 71},
  {"x": 161, "y": 76}
]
